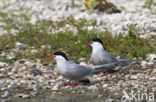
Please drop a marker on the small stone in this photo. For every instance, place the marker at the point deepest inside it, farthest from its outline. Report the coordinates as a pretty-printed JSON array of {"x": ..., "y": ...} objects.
[
  {"x": 144, "y": 63},
  {"x": 151, "y": 56},
  {"x": 19, "y": 45},
  {"x": 20, "y": 75},
  {"x": 46, "y": 87},
  {"x": 22, "y": 81},
  {"x": 4, "y": 100},
  {"x": 113, "y": 88},
  {"x": 105, "y": 86},
  {"x": 36, "y": 72},
  {"x": 33, "y": 93},
  {"x": 92, "y": 87},
  {"x": 34, "y": 51},
  {"x": 23, "y": 95},
  {"x": 10, "y": 73},
  {"x": 2, "y": 64},
  {"x": 127, "y": 77},
  {"x": 1, "y": 82},
  {"x": 82, "y": 59},
  {"x": 151, "y": 63},
  {"x": 109, "y": 100},
  {"x": 154, "y": 71},
  {"x": 5, "y": 94},
  {"x": 82, "y": 91},
  {"x": 1, "y": 75},
  {"x": 55, "y": 88},
  {"x": 99, "y": 96},
  {"x": 3, "y": 88},
  {"x": 83, "y": 63},
  {"x": 120, "y": 83},
  {"x": 28, "y": 63},
  {"x": 134, "y": 77},
  {"x": 152, "y": 78},
  {"x": 127, "y": 85}
]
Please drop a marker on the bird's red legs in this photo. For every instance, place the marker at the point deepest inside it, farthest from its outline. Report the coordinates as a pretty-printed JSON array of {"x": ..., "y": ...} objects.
[
  {"x": 74, "y": 85},
  {"x": 102, "y": 73},
  {"x": 67, "y": 83}
]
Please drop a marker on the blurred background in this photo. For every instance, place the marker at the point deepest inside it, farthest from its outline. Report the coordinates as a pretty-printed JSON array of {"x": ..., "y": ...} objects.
[{"x": 32, "y": 29}]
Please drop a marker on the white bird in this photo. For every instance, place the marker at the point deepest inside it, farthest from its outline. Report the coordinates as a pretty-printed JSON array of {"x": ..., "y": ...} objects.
[
  {"x": 75, "y": 71},
  {"x": 100, "y": 56}
]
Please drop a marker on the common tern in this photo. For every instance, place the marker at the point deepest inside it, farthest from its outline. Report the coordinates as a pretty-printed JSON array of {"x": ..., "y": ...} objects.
[
  {"x": 100, "y": 56},
  {"x": 75, "y": 71}
]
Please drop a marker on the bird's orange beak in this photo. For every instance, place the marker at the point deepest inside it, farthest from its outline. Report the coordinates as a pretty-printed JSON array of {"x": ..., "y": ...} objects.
[
  {"x": 87, "y": 43},
  {"x": 51, "y": 57}
]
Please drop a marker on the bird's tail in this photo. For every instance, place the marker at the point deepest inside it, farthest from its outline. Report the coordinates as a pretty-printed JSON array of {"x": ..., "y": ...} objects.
[
  {"x": 124, "y": 62},
  {"x": 106, "y": 67}
]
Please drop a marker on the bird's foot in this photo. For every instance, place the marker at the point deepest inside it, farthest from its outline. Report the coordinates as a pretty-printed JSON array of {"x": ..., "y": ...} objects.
[
  {"x": 104, "y": 73},
  {"x": 73, "y": 85},
  {"x": 67, "y": 83}
]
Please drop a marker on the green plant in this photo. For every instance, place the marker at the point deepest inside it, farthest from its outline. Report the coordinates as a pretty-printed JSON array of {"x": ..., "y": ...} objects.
[
  {"x": 36, "y": 35},
  {"x": 73, "y": 2},
  {"x": 149, "y": 4}
]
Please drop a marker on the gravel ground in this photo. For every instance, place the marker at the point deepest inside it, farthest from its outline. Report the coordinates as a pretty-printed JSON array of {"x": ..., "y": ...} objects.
[
  {"x": 24, "y": 80},
  {"x": 56, "y": 10},
  {"x": 27, "y": 79}
]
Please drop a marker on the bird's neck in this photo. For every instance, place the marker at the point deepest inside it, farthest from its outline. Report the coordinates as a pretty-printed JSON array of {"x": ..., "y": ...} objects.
[
  {"x": 97, "y": 48},
  {"x": 60, "y": 62}
]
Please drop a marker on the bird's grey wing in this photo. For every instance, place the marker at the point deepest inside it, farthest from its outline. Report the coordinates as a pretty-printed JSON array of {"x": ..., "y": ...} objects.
[
  {"x": 77, "y": 71},
  {"x": 108, "y": 57},
  {"x": 104, "y": 67}
]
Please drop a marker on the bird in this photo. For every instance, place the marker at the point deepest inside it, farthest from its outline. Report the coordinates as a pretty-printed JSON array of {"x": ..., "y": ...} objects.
[
  {"x": 100, "y": 56},
  {"x": 74, "y": 71}
]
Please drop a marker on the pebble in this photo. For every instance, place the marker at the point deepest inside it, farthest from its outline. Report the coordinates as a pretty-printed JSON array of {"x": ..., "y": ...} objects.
[
  {"x": 3, "y": 88},
  {"x": 154, "y": 71},
  {"x": 36, "y": 72},
  {"x": 19, "y": 45},
  {"x": 94, "y": 88},
  {"x": 83, "y": 63},
  {"x": 151, "y": 56},
  {"x": 127, "y": 85},
  {"x": 105, "y": 85},
  {"x": 151, "y": 63},
  {"x": 6, "y": 93},
  {"x": 55, "y": 88},
  {"x": 3, "y": 64},
  {"x": 135, "y": 77},
  {"x": 23, "y": 95},
  {"x": 144, "y": 63},
  {"x": 4, "y": 100},
  {"x": 109, "y": 100}
]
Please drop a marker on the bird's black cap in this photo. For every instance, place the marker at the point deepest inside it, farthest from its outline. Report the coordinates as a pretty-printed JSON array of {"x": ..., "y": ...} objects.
[
  {"x": 97, "y": 40},
  {"x": 61, "y": 54}
]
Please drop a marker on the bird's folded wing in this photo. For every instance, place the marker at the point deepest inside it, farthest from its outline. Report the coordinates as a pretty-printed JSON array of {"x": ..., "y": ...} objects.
[
  {"x": 110, "y": 65},
  {"x": 106, "y": 67},
  {"x": 76, "y": 70}
]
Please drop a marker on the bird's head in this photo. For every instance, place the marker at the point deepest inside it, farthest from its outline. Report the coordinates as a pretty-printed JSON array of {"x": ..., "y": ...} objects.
[
  {"x": 96, "y": 42},
  {"x": 58, "y": 56}
]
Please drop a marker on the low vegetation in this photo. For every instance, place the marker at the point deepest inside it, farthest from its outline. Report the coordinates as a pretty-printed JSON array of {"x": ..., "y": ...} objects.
[{"x": 35, "y": 36}]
